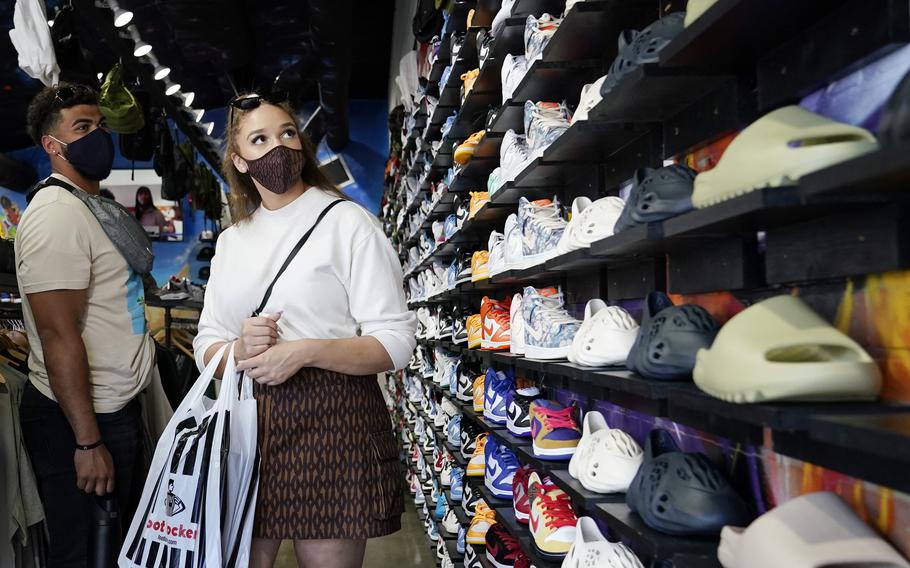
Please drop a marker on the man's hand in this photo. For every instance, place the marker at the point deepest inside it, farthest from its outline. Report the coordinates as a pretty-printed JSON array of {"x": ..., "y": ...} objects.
[
  {"x": 94, "y": 471},
  {"x": 276, "y": 365},
  {"x": 257, "y": 335}
]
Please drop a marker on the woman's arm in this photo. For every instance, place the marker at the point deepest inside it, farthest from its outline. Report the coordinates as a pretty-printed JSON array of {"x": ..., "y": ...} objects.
[{"x": 350, "y": 356}]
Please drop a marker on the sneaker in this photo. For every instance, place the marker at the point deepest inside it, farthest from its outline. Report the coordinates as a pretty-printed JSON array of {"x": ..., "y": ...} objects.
[
  {"x": 494, "y": 181},
  {"x": 452, "y": 275},
  {"x": 590, "y": 544},
  {"x": 519, "y": 422},
  {"x": 471, "y": 499},
  {"x": 468, "y": 79},
  {"x": 469, "y": 433},
  {"x": 450, "y": 522},
  {"x": 438, "y": 460},
  {"x": 552, "y": 518},
  {"x": 441, "y": 506},
  {"x": 471, "y": 560},
  {"x": 485, "y": 40},
  {"x": 460, "y": 541},
  {"x": 474, "y": 326},
  {"x": 498, "y": 386},
  {"x": 549, "y": 329},
  {"x": 554, "y": 430},
  {"x": 504, "y": 13},
  {"x": 453, "y": 431},
  {"x": 538, "y": 32},
  {"x": 544, "y": 124},
  {"x": 479, "y": 394},
  {"x": 477, "y": 464},
  {"x": 465, "y": 151},
  {"x": 478, "y": 200},
  {"x": 500, "y": 469},
  {"x": 541, "y": 228},
  {"x": 502, "y": 548},
  {"x": 484, "y": 518},
  {"x": 461, "y": 211},
  {"x": 480, "y": 269},
  {"x": 465, "y": 390},
  {"x": 514, "y": 69},
  {"x": 496, "y": 246},
  {"x": 464, "y": 266},
  {"x": 513, "y": 254},
  {"x": 590, "y": 98},
  {"x": 439, "y": 231},
  {"x": 496, "y": 327},
  {"x": 457, "y": 488},
  {"x": 514, "y": 156},
  {"x": 432, "y": 532},
  {"x": 590, "y": 222},
  {"x": 444, "y": 327},
  {"x": 450, "y": 227},
  {"x": 520, "y": 499},
  {"x": 516, "y": 326},
  {"x": 606, "y": 336},
  {"x": 606, "y": 459}
]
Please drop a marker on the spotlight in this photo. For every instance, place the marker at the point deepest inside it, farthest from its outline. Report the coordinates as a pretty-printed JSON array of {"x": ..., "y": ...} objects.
[
  {"x": 188, "y": 98},
  {"x": 100, "y": 76},
  {"x": 161, "y": 72},
  {"x": 172, "y": 89},
  {"x": 50, "y": 23},
  {"x": 142, "y": 48},
  {"x": 209, "y": 127},
  {"x": 121, "y": 17},
  {"x": 199, "y": 113}
]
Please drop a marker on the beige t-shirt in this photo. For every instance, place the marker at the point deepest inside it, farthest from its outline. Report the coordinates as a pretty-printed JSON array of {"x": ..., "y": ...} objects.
[{"x": 61, "y": 246}]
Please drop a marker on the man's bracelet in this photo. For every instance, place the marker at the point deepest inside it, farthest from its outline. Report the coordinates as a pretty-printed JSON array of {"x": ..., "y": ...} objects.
[{"x": 90, "y": 446}]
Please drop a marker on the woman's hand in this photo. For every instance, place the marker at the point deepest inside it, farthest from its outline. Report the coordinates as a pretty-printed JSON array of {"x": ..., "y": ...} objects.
[
  {"x": 257, "y": 335},
  {"x": 277, "y": 364}
]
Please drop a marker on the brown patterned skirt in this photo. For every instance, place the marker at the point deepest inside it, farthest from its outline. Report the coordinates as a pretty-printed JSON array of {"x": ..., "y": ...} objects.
[{"x": 329, "y": 459}]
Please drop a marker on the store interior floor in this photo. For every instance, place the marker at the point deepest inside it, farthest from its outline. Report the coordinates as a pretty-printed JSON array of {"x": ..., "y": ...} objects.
[{"x": 407, "y": 547}]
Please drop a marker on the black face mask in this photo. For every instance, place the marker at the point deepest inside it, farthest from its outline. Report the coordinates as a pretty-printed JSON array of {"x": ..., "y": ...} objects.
[
  {"x": 278, "y": 169},
  {"x": 92, "y": 155}
]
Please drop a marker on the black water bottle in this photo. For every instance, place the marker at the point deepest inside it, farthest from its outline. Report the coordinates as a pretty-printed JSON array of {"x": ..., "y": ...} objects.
[{"x": 105, "y": 535}]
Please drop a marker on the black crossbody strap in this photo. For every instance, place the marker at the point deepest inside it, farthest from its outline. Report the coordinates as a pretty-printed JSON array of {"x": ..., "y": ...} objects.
[{"x": 297, "y": 247}]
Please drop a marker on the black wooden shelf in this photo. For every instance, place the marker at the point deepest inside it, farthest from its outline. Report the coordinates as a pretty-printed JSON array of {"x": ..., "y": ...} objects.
[
  {"x": 590, "y": 29},
  {"x": 525, "y": 8},
  {"x": 554, "y": 81},
  {"x": 510, "y": 116},
  {"x": 882, "y": 174},
  {"x": 511, "y": 39}
]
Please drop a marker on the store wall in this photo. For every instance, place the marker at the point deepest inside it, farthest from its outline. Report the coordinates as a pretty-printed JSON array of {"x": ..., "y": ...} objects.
[{"x": 402, "y": 42}]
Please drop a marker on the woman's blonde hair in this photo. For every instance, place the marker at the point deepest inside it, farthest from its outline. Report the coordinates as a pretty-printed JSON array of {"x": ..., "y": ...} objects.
[{"x": 244, "y": 197}]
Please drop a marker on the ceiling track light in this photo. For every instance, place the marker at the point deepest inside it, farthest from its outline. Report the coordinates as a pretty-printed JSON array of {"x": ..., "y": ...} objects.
[
  {"x": 121, "y": 17},
  {"x": 161, "y": 72},
  {"x": 188, "y": 98},
  {"x": 142, "y": 49},
  {"x": 209, "y": 127},
  {"x": 172, "y": 88},
  {"x": 199, "y": 114}
]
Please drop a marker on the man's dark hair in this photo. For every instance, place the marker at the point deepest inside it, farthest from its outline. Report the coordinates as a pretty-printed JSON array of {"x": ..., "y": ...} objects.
[
  {"x": 105, "y": 192},
  {"x": 44, "y": 110}
]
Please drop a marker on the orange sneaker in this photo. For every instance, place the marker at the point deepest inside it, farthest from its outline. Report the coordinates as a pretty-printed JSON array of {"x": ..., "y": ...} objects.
[
  {"x": 474, "y": 325},
  {"x": 478, "y": 463},
  {"x": 496, "y": 324},
  {"x": 484, "y": 518},
  {"x": 478, "y": 393},
  {"x": 478, "y": 200},
  {"x": 480, "y": 266},
  {"x": 465, "y": 150},
  {"x": 469, "y": 79}
]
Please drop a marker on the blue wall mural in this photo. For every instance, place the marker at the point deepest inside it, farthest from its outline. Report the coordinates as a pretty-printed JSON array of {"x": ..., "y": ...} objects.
[{"x": 365, "y": 157}]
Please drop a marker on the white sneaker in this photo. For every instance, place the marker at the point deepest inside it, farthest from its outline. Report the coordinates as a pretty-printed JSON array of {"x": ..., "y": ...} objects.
[
  {"x": 423, "y": 316},
  {"x": 549, "y": 329},
  {"x": 538, "y": 32},
  {"x": 513, "y": 156},
  {"x": 514, "y": 247},
  {"x": 445, "y": 476},
  {"x": 516, "y": 326},
  {"x": 504, "y": 13},
  {"x": 497, "y": 248},
  {"x": 606, "y": 459},
  {"x": 606, "y": 336},
  {"x": 514, "y": 69},
  {"x": 590, "y": 98},
  {"x": 541, "y": 229},
  {"x": 544, "y": 123},
  {"x": 590, "y": 222},
  {"x": 569, "y": 5},
  {"x": 592, "y": 550},
  {"x": 450, "y": 522}
]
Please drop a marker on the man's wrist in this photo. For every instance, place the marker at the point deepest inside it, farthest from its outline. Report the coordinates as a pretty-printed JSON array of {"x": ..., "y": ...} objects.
[{"x": 92, "y": 446}]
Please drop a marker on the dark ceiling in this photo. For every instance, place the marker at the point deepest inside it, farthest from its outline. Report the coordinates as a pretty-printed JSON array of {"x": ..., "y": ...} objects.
[{"x": 214, "y": 47}]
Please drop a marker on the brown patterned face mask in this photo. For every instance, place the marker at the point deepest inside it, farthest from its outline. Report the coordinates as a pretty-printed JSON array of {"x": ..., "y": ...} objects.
[{"x": 278, "y": 169}]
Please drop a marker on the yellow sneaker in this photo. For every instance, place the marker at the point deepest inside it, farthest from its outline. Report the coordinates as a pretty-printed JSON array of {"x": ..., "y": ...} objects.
[
  {"x": 478, "y": 200},
  {"x": 478, "y": 463},
  {"x": 480, "y": 266},
  {"x": 484, "y": 518},
  {"x": 553, "y": 520},
  {"x": 474, "y": 326},
  {"x": 478, "y": 393},
  {"x": 465, "y": 150},
  {"x": 469, "y": 79}
]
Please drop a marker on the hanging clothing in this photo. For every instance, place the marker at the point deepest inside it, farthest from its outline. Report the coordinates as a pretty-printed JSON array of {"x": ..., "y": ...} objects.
[{"x": 31, "y": 36}]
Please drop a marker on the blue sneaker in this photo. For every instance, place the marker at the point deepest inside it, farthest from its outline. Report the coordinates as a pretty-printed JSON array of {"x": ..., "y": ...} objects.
[
  {"x": 497, "y": 388},
  {"x": 454, "y": 430},
  {"x": 549, "y": 329},
  {"x": 432, "y": 532},
  {"x": 457, "y": 490},
  {"x": 450, "y": 227},
  {"x": 451, "y": 275},
  {"x": 500, "y": 469},
  {"x": 542, "y": 227},
  {"x": 459, "y": 544},
  {"x": 440, "y": 511},
  {"x": 451, "y": 378}
]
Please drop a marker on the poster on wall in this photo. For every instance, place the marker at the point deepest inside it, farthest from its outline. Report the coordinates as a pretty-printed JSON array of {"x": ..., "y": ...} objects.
[{"x": 140, "y": 192}]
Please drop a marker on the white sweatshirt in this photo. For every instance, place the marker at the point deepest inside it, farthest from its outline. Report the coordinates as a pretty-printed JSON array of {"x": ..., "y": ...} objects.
[{"x": 346, "y": 279}]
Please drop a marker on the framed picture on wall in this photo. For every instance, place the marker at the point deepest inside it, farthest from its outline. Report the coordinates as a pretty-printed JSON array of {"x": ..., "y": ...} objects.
[{"x": 140, "y": 192}]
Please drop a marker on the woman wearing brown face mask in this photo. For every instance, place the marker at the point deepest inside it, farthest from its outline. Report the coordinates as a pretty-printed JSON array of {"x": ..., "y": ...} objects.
[{"x": 337, "y": 316}]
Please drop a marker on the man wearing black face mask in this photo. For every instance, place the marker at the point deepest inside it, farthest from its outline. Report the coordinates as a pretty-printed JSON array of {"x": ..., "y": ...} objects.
[{"x": 85, "y": 317}]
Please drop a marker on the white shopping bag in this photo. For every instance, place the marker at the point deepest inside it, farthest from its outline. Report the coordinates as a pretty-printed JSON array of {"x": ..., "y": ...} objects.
[{"x": 197, "y": 505}]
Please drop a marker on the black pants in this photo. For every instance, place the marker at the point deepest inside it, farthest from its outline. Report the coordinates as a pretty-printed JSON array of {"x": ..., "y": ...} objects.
[{"x": 51, "y": 446}]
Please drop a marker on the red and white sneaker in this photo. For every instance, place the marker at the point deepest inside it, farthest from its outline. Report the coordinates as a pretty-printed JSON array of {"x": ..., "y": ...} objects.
[
  {"x": 520, "y": 502},
  {"x": 495, "y": 316},
  {"x": 552, "y": 520}
]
